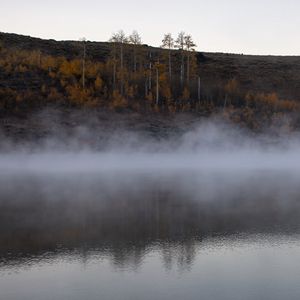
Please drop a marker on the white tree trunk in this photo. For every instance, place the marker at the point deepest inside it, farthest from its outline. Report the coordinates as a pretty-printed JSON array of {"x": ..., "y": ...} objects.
[
  {"x": 83, "y": 66},
  {"x": 170, "y": 66},
  {"x": 199, "y": 88},
  {"x": 114, "y": 76},
  {"x": 188, "y": 70},
  {"x": 157, "y": 87},
  {"x": 182, "y": 69},
  {"x": 122, "y": 79}
]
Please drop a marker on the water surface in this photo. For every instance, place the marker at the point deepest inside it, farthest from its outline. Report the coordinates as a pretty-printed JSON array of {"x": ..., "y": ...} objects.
[{"x": 150, "y": 235}]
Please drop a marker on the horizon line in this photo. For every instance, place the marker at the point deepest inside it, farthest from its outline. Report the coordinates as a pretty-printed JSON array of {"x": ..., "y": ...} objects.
[{"x": 148, "y": 45}]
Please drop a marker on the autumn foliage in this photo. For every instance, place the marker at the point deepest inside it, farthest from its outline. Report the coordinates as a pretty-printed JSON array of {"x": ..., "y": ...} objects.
[{"x": 132, "y": 76}]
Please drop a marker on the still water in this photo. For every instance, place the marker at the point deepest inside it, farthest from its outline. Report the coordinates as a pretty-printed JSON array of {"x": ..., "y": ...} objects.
[{"x": 212, "y": 235}]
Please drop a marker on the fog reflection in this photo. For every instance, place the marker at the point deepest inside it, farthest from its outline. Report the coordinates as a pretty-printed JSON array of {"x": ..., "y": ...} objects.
[{"x": 125, "y": 217}]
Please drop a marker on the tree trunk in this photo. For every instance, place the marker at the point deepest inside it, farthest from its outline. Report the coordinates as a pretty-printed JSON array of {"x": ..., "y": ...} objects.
[
  {"x": 199, "y": 88},
  {"x": 146, "y": 87},
  {"x": 134, "y": 59},
  {"x": 182, "y": 68},
  {"x": 122, "y": 79},
  {"x": 157, "y": 86},
  {"x": 83, "y": 66},
  {"x": 114, "y": 76},
  {"x": 114, "y": 66},
  {"x": 170, "y": 66},
  {"x": 150, "y": 75},
  {"x": 225, "y": 102},
  {"x": 188, "y": 69}
]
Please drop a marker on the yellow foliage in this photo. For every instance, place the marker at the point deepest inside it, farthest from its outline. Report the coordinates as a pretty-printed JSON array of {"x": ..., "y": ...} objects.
[
  {"x": 130, "y": 92},
  {"x": 54, "y": 94},
  {"x": 92, "y": 69},
  {"x": 232, "y": 86},
  {"x": 98, "y": 83},
  {"x": 19, "y": 98},
  {"x": 172, "y": 108},
  {"x": 48, "y": 63},
  {"x": 52, "y": 74},
  {"x": 149, "y": 97},
  {"x": 21, "y": 69},
  {"x": 287, "y": 105},
  {"x": 186, "y": 94},
  {"x": 166, "y": 92},
  {"x": 33, "y": 58},
  {"x": 63, "y": 82},
  {"x": 71, "y": 68},
  {"x": 118, "y": 102},
  {"x": 77, "y": 95},
  {"x": 44, "y": 89}
]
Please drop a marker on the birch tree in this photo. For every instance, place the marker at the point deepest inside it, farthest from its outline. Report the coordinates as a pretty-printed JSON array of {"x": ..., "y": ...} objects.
[
  {"x": 150, "y": 71},
  {"x": 120, "y": 39},
  {"x": 157, "y": 67},
  {"x": 189, "y": 47},
  {"x": 199, "y": 88},
  {"x": 136, "y": 40},
  {"x": 114, "y": 60},
  {"x": 83, "y": 41},
  {"x": 180, "y": 44},
  {"x": 168, "y": 43}
]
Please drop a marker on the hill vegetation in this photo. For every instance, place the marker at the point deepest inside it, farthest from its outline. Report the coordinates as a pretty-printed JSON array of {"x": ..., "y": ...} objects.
[{"x": 126, "y": 75}]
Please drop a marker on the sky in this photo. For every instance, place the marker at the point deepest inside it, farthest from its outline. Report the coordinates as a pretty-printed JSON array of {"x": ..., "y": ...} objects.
[{"x": 232, "y": 26}]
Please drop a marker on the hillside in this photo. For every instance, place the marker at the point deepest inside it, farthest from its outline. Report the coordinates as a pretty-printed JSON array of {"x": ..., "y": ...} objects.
[
  {"x": 252, "y": 89},
  {"x": 280, "y": 74}
]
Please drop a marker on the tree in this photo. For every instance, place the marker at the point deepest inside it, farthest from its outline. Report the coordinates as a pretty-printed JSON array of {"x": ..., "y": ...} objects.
[
  {"x": 136, "y": 40},
  {"x": 180, "y": 44},
  {"x": 150, "y": 71},
  {"x": 83, "y": 40},
  {"x": 120, "y": 39},
  {"x": 157, "y": 66},
  {"x": 98, "y": 83},
  {"x": 168, "y": 42},
  {"x": 231, "y": 90},
  {"x": 114, "y": 61},
  {"x": 199, "y": 88},
  {"x": 189, "y": 47}
]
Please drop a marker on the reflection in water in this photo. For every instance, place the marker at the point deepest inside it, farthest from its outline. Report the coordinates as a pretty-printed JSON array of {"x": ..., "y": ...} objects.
[{"x": 140, "y": 223}]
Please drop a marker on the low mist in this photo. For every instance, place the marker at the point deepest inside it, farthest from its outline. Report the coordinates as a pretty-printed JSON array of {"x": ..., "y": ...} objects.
[
  {"x": 104, "y": 146},
  {"x": 111, "y": 186}
]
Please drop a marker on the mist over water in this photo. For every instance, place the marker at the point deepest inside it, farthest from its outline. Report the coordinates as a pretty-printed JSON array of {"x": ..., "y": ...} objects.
[
  {"x": 208, "y": 146},
  {"x": 210, "y": 212}
]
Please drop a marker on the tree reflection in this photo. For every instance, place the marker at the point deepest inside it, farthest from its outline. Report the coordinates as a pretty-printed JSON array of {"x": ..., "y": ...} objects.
[{"x": 126, "y": 218}]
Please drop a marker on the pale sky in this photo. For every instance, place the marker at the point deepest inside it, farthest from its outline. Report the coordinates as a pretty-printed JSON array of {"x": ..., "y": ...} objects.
[{"x": 235, "y": 26}]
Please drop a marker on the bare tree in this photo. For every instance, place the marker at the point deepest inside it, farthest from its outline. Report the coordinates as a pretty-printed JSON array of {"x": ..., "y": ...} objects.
[
  {"x": 168, "y": 42},
  {"x": 136, "y": 40},
  {"x": 199, "y": 88},
  {"x": 157, "y": 86},
  {"x": 150, "y": 70},
  {"x": 120, "y": 39},
  {"x": 189, "y": 47},
  {"x": 157, "y": 65},
  {"x": 83, "y": 40},
  {"x": 180, "y": 44},
  {"x": 114, "y": 60},
  {"x": 148, "y": 74}
]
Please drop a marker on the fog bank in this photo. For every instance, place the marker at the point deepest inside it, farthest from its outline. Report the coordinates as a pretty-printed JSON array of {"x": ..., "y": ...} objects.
[{"x": 202, "y": 146}]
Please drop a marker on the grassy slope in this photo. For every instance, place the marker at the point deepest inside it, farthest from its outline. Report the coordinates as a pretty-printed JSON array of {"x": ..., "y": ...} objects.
[{"x": 280, "y": 74}]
